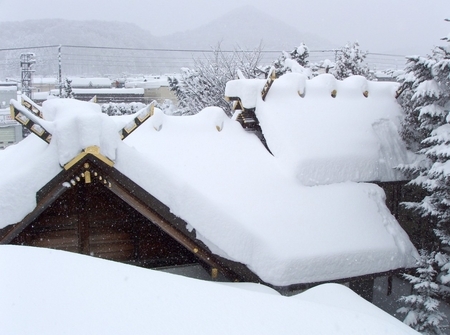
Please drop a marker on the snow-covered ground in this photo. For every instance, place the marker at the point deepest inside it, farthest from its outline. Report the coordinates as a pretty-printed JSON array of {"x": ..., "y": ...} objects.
[{"x": 49, "y": 292}]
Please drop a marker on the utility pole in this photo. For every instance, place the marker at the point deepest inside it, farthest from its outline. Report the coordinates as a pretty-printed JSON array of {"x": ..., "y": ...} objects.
[{"x": 59, "y": 71}]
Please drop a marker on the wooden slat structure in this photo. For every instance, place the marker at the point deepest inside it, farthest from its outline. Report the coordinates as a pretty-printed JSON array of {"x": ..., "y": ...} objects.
[
  {"x": 137, "y": 121},
  {"x": 32, "y": 106},
  {"x": 30, "y": 120},
  {"x": 270, "y": 79}
]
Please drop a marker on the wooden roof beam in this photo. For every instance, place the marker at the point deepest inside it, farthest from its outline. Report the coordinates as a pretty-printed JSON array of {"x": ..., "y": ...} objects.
[
  {"x": 137, "y": 121},
  {"x": 173, "y": 232},
  {"x": 32, "y": 106},
  {"x": 42, "y": 205},
  {"x": 270, "y": 79},
  {"x": 31, "y": 121}
]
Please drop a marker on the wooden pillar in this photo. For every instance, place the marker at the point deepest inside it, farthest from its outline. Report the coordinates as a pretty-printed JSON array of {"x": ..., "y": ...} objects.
[{"x": 389, "y": 285}]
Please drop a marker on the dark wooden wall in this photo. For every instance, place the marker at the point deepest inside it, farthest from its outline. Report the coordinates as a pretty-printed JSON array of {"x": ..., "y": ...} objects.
[
  {"x": 412, "y": 222},
  {"x": 89, "y": 219}
]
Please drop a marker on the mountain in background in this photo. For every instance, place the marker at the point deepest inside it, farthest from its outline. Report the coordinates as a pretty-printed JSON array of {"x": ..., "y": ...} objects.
[
  {"x": 245, "y": 28},
  {"x": 90, "y": 33}
]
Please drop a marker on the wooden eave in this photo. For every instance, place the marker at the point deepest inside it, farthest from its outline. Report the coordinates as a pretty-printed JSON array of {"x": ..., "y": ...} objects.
[
  {"x": 143, "y": 202},
  {"x": 285, "y": 290}
]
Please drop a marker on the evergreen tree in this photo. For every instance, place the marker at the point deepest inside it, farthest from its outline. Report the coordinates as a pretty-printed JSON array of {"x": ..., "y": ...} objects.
[
  {"x": 285, "y": 63},
  {"x": 67, "y": 89},
  {"x": 122, "y": 108},
  {"x": 422, "y": 306},
  {"x": 425, "y": 96},
  {"x": 350, "y": 61}
]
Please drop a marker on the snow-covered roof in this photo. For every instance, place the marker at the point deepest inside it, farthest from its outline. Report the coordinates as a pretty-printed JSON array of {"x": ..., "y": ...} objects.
[
  {"x": 45, "y": 80},
  {"x": 44, "y": 293},
  {"x": 11, "y": 88},
  {"x": 324, "y": 139},
  {"x": 112, "y": 91},
  {"x": 243, "y": 203},
  {"x": 147, "y": 82},
  {"x": 104, "y": 91},
  {"x": 93, "y": 82}
]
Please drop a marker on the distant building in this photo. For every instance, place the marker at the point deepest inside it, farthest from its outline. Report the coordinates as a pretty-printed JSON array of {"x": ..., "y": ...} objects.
[
  {"x": 10, "y": 130},
  {"x": 155, "y": 88}
]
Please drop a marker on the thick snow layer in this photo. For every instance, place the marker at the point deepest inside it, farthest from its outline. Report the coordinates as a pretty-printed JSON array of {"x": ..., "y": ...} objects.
[
  {"x": 76, "y": 125},
  {"x": 241, "y": 201},
  {"x": 245, "y": 207},
  {"x": 246, "y": 89},
  {"x": 324, "y": 140},
  {"x": 49, "y": 292},
  {"x": 24, "y": 169},
  {"x": 27, "y": 166}
]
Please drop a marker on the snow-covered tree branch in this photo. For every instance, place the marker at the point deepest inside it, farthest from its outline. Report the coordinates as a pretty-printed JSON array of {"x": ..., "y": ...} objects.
[{"x": 204, "y": 85}]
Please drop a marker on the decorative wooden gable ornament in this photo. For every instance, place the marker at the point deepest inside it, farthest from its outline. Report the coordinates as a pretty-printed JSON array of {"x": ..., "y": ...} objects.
[
  {"x": 30, "y": 118},
  {"x": 247, "y": 116}
]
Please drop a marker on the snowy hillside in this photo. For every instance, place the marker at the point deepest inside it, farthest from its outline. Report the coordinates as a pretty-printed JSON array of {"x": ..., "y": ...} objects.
[
  {"x": 91, "y": 33},
  {"x": 246, "y": 27}
]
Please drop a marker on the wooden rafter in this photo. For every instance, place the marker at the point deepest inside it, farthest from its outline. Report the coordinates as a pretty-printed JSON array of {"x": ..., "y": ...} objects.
[
  {"x": 30, "y": 121},
  {"x": 32, "y": 106},
  {"x": 137, "y": 121},
  {"x": 270, "y": 79},
  {"x": 42, "y": 204}
]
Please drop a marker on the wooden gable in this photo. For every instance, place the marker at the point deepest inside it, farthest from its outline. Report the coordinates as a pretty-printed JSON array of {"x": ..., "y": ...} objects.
[{"x": 93, "y": 209}]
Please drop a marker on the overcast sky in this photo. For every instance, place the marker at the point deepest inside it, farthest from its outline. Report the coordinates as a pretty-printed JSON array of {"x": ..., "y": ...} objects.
[{"x": 378, "y": 25}]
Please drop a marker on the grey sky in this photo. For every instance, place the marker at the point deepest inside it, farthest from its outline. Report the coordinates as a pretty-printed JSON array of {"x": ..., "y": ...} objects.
[{"x": 410, "y": 26}]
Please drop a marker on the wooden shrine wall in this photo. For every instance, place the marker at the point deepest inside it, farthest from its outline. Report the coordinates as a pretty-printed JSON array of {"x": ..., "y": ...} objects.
[{"x": 89, "y": 219}]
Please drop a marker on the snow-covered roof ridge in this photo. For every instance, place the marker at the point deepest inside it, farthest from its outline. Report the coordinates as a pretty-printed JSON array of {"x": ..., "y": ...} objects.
[
  {"x": 244, "y": 204},
  {"x": 327, "y": 130}
]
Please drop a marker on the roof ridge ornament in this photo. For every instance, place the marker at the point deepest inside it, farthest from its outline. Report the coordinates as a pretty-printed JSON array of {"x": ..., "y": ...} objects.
[
  {"x": 32, "y": 106},
  {"x": 93, "y": 150},
  {"x": 30, "y": 120},
  {"x": 270, "y": 79},
  {"x": 141, "y": 117}
]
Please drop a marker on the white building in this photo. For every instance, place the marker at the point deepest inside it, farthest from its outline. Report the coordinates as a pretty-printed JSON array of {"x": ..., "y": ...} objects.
[{"x": 10, "y": 130}]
